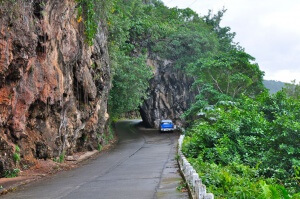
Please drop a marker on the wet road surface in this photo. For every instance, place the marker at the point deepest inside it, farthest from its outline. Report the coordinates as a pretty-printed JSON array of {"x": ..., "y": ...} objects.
[{"x": 141, "y": 166}]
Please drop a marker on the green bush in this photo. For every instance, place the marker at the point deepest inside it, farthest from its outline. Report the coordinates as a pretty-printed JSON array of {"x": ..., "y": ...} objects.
[
  {"x": 238, "y": 181},
  {"x": 62, "y": 157},
  {"x": 12, "y": 173},
  {"x": 16, "y": 157},
  {"x": 260, "y": 133},
  {"x": 17, "y": 149}
]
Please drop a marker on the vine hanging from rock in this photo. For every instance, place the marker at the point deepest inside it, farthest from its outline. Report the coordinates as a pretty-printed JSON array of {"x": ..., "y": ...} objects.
[{"x": 87, "y": 10}]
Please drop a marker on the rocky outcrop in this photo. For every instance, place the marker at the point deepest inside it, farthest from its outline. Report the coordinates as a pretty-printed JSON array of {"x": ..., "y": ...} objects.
[
  {"x": 53, "y": 86},
  {"x": 170, "y": 94}
]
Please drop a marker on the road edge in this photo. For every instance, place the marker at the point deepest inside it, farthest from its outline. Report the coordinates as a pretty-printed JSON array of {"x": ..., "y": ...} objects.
[
  {"x": 197, "y": 190},
  {"x": 88, "y": 155}
]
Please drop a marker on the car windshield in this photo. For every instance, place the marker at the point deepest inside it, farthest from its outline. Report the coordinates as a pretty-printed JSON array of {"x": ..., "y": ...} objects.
[{"x": 166, "y": 123}]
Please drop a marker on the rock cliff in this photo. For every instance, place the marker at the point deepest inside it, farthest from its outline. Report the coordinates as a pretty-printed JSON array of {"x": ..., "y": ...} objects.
[
  {"x": 53, "y": 86},
  {"x": 170, "y": 94}
]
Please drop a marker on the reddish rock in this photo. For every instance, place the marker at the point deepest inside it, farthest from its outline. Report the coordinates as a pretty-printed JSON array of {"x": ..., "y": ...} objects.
[{"x": 49, "y": 97}]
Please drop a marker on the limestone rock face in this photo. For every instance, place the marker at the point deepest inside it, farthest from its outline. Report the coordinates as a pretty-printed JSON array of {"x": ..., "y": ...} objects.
[
  {"x": 53, "y": 86},
  {"x": 170, "y": 94}
]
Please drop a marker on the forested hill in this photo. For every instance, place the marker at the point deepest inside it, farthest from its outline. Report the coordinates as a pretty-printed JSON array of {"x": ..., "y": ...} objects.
[{"x": 273, "y": 86}]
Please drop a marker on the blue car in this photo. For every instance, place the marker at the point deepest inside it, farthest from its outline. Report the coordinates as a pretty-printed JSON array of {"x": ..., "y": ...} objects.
[{"x": 167, "y": 125}]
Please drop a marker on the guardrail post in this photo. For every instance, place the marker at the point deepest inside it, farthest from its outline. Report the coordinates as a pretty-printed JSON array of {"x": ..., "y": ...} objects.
[
  {"x": 209, "y": 196},
  {"x": 194, "y": 182},
  {"x": 202, "y": 191}
]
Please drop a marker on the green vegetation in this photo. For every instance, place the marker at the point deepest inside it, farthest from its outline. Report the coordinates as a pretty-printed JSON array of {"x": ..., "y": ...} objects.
[
  {"x": 245, "y": 145},
  {"x": 129, "y": 85},
  {"x": 128, "y": 56},
  {"x": 17, "y": 149},
  {"x": 16, "y": 155},
  {"x": 99, "y": 148},
  {"x": 109, "y": 136},
  {"x": 88, "y": 12},
  {"x": 12, "y": 174},
  {"x": 292, "y": 89},
  {"x": 62, "y": 157},
  {"x": 106, "y": 137},
  {"x": 182, "y": 186},
  {"x": 239, "y": 181},
  {"x": 242, "y": 141},
  {"x": 260, "y": 136},
  {"x": 187, "y": 38},
  {"x": 7, "y": 1},
  {"x": 140, "y": 30},
  {"x": 224, "y": 76},
  {"x": 128, "y": 59}
]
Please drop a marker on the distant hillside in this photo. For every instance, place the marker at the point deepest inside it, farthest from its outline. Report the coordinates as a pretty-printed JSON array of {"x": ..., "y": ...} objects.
[{"x": 273, "y": 86}]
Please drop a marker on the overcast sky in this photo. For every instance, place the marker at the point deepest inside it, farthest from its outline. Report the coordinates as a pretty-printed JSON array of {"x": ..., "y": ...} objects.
[{"x": 269, "y": 30}]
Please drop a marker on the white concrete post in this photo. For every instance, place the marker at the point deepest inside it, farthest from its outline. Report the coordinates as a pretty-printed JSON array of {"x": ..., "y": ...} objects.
[
  {"x": 202, "y": 191},
  {"x": 209, "y": 196},
  {"x": 198, "y": 190},
  {"x": 195, "y": 178}
]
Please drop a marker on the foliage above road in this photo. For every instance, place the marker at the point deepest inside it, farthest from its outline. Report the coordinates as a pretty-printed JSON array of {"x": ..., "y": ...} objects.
[
  {"x": 230, "y": 73},
  {"x": 246, "y": 145},
  {"x": 141, "y": 30}
]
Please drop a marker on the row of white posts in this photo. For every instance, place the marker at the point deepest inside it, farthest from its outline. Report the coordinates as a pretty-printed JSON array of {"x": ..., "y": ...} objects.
[{"x": 197, "y": 189}]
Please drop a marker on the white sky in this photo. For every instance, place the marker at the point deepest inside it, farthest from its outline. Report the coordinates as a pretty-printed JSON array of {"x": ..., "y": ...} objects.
[{"x": 269, "y": 30}]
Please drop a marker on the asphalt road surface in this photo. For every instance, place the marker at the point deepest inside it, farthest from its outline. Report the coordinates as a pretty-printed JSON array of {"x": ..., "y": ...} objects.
[{"x": 141, "y": 166}]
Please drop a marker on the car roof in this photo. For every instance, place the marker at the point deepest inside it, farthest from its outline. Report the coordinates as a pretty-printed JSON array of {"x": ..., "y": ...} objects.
[{"x": 166, "y": 121}]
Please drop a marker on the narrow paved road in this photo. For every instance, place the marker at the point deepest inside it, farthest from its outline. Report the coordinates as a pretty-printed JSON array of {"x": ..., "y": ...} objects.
[{"x": 141, "y": 166}]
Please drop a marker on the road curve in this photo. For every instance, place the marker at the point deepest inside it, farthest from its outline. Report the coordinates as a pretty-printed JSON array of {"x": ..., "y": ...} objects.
[{"x": 141, "y": 166}]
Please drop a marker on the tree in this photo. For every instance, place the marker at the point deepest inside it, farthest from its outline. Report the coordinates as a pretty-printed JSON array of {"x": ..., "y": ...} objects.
[
  {"x": 223, "y": 33},
  {"x": 292, "y": 89},
  {"x": 230, "y": 73},
  {"x": 191, "y": 39},
  {"x": 148, "y": 28},
  {"x": 127, "y": 27},
  {"x": 130, "y": 85}
]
